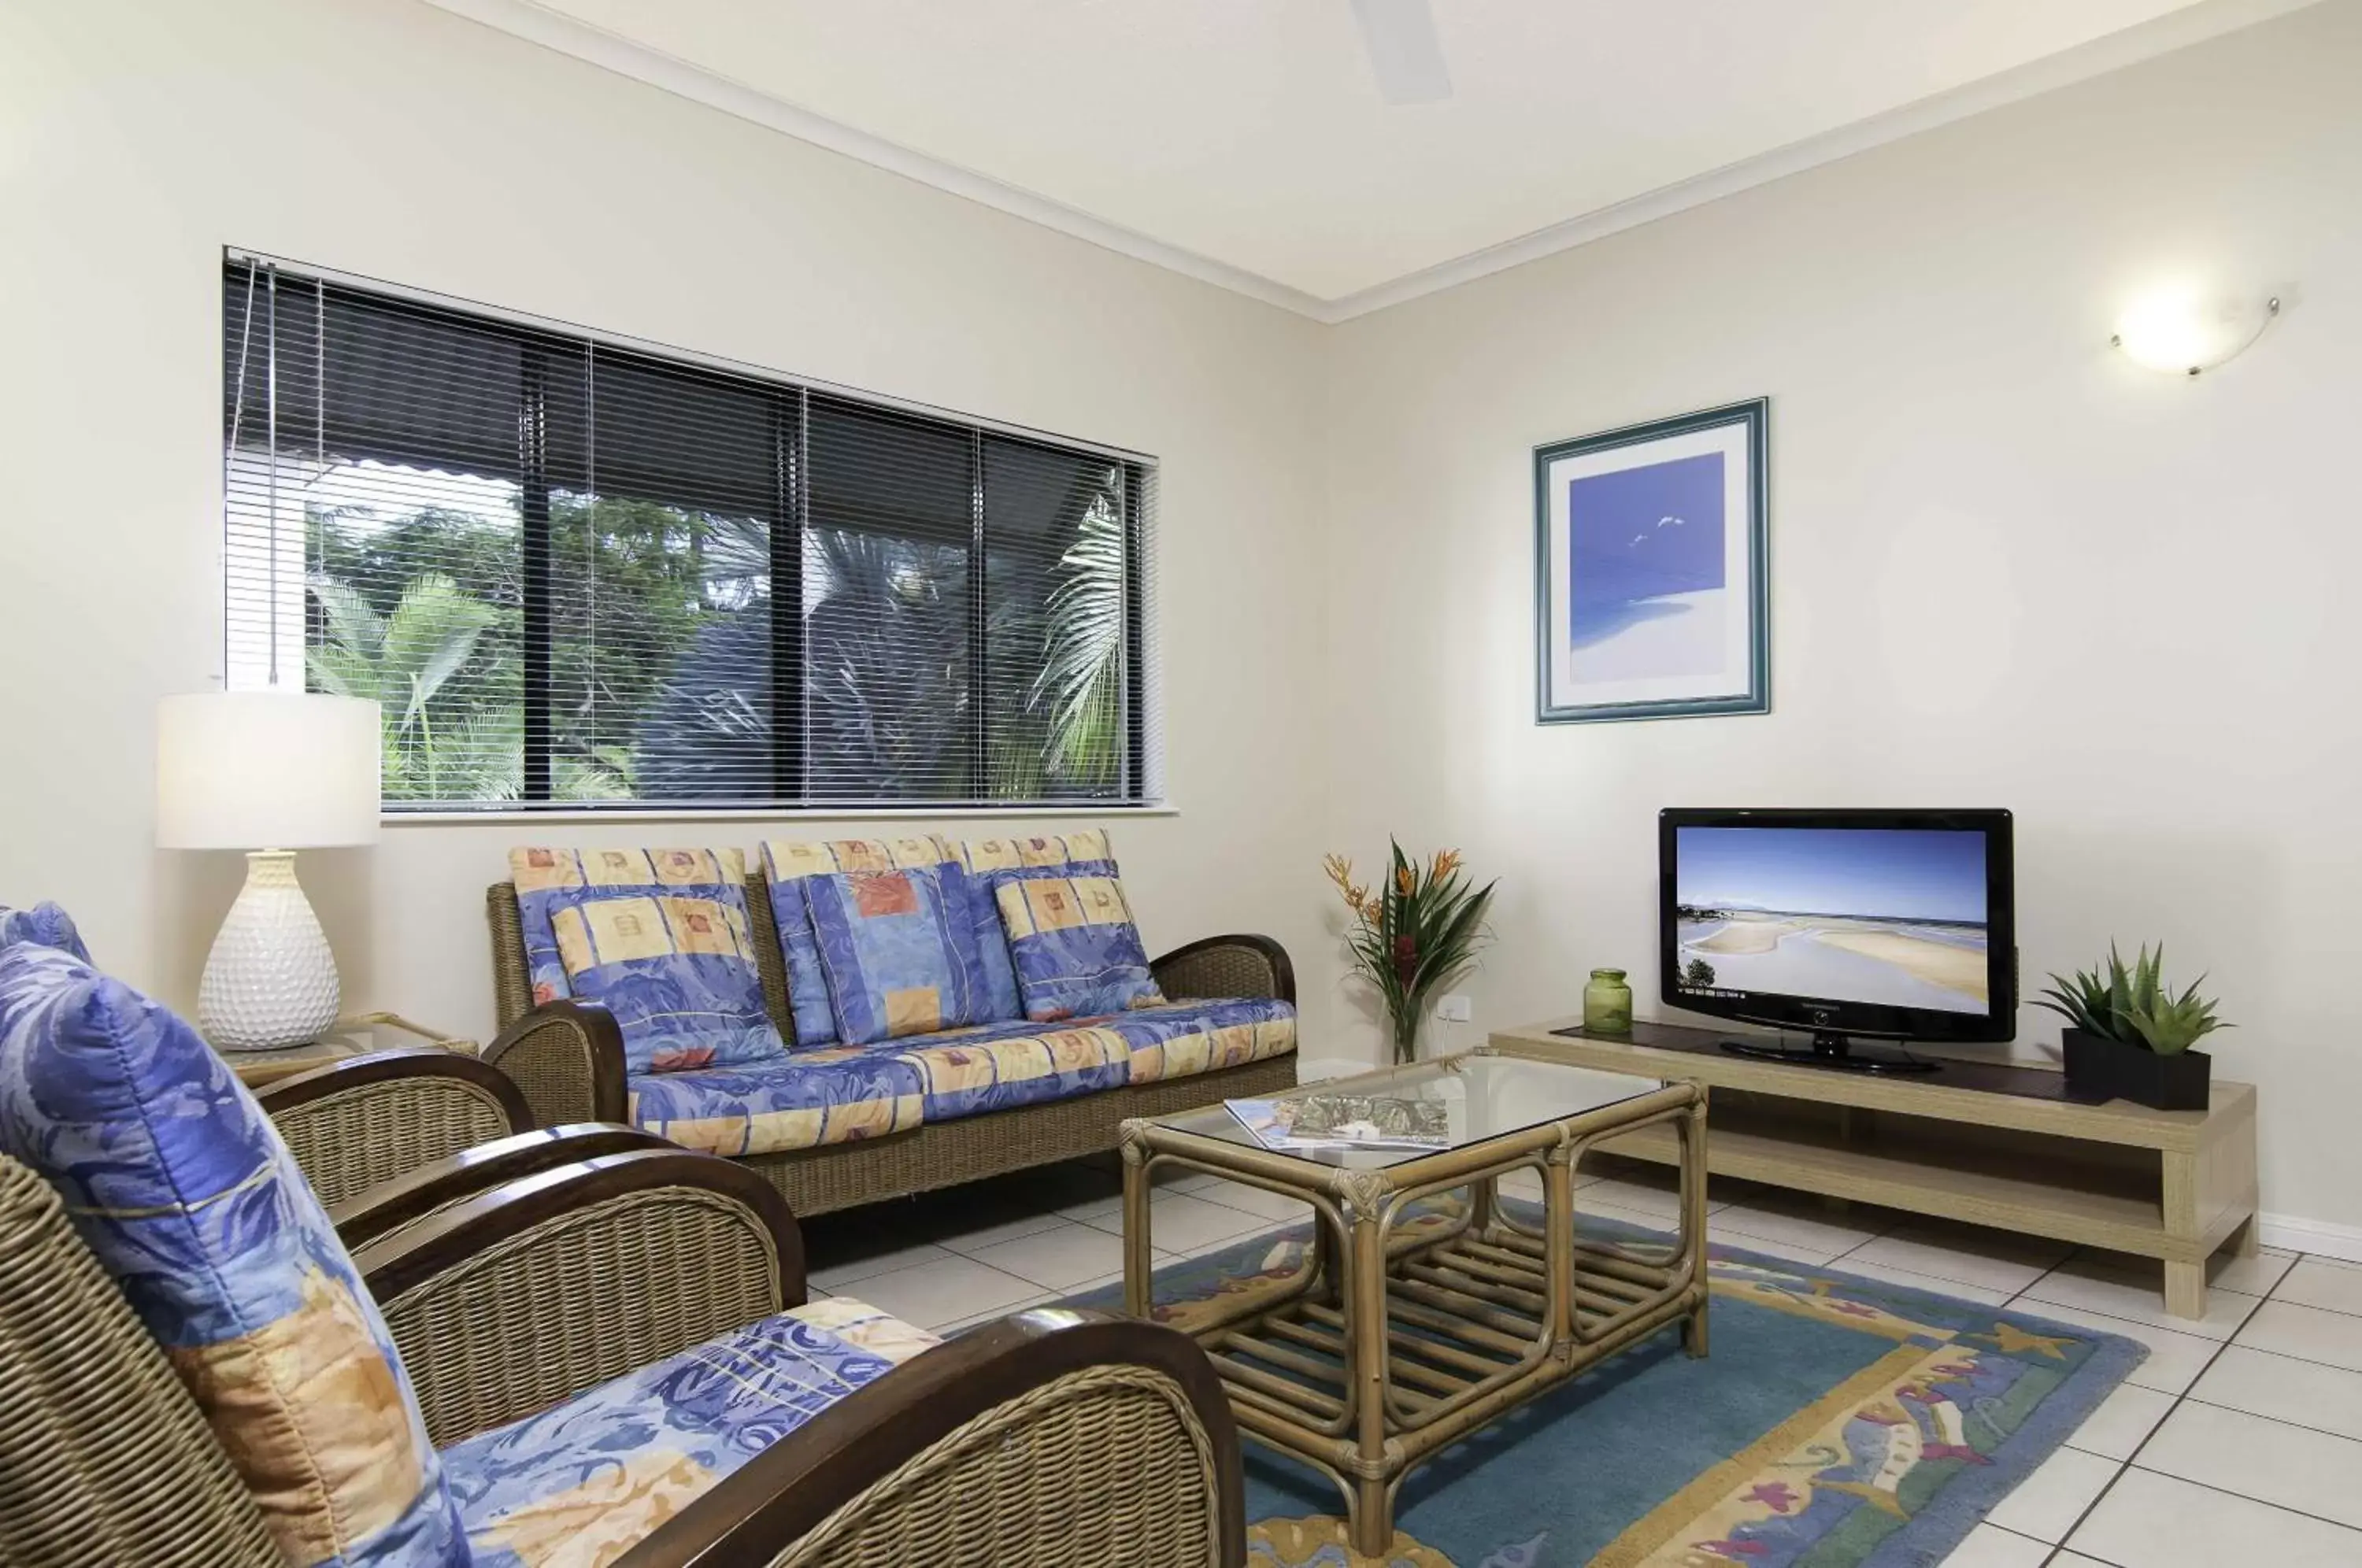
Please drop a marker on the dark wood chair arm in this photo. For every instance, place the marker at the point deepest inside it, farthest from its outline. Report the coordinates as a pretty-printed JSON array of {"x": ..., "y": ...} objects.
[
  {"x": 1243, "y": 964},
  {"x": 567, "y": 1058},
  {"x": 507, "y": 1302},
  {"x": 1021, "y": 1417},
  {"x": 389, "y": 1206},
  {"x": 355, "y": 1123}
]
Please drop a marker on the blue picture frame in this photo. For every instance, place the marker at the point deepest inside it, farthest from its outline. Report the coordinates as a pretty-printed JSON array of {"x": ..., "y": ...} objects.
[{"x": 1651, "y": 571}]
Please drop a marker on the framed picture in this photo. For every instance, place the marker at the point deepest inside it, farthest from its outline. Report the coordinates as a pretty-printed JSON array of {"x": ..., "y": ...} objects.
[{"x": 1649, "y": 591}]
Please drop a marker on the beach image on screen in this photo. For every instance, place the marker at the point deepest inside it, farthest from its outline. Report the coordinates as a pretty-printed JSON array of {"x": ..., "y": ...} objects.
[{"x": 1890, "y": 916}]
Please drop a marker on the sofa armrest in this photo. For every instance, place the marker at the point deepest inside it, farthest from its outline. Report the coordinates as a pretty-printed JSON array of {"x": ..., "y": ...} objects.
[
  {"x": 408, "y": 1199},
  {"x": 1238, "y": 966},
  {"x": 567, "y": 1058},
  {"x": 368, "y": 1119},
  {"x": 505, "y": 1303},
  {"x": 999, "y": 1441}
]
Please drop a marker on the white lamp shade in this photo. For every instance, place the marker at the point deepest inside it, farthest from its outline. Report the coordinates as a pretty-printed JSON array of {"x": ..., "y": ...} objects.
[{"x": 266, "y": 770}]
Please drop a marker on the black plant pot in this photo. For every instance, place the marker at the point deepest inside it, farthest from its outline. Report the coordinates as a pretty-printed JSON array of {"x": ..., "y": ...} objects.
[{"x": 2101, "y": 1068}]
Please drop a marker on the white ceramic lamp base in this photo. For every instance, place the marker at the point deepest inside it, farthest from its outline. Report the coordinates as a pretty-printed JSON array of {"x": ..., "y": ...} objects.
[{"x": 270, "y": 981}]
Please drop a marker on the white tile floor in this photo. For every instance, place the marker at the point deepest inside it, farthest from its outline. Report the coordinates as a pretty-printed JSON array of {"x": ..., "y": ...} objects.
[{"x": 2239, "y": 1441}]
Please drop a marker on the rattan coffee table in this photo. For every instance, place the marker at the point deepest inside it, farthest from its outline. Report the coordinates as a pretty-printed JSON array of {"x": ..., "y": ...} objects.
[{"x": 1427, "y": 1310}]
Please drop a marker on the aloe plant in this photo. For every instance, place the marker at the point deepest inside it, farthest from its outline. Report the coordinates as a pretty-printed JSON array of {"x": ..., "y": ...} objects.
[{"x": 2133, "y": 1005}]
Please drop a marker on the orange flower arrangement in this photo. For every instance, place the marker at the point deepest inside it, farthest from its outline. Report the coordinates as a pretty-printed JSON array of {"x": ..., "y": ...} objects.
[{"x": 1418, "y": 934}]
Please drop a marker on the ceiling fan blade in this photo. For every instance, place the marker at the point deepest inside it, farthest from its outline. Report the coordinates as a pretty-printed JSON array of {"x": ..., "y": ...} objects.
[{"x": 1404, "y": 53}]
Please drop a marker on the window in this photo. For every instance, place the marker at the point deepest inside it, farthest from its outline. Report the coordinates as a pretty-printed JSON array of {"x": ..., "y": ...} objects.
[{"x": 580, "y": 572}]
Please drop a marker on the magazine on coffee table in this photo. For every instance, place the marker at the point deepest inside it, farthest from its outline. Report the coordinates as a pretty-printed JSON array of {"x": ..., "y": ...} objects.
[{"x": 1344, "y": 1121}]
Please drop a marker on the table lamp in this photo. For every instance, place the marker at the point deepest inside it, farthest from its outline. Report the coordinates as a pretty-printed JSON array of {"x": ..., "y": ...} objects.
[{"x": 269, "y": 772}]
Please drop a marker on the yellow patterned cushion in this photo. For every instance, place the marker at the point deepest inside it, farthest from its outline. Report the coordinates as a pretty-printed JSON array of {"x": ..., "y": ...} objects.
[
  {"x": 1073, "y": 943},
  {"x": 864, "y": 1327},
  {"x": 983, "y": 855},
  {"x": 661, "y": 938}
]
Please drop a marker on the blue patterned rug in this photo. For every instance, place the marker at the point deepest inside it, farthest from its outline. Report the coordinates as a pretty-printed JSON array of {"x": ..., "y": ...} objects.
[{"x": 1840, "y": 1422}]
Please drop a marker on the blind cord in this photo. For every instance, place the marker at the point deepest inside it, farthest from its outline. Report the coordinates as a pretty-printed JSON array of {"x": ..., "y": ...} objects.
[
  {"x": 229, "y": 455},
  {"x": 319, "y": 429},
  {"x": 270, "y": 417},
  {"x": 590, "y": 527}
]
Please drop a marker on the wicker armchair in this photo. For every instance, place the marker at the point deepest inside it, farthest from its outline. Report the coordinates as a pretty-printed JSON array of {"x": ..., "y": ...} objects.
[
  {"x": 568, "y": 1061},
  {"x": 987, "y": 1451},
  {"x": 354, "y": 1124},
  {"x": 422, "y": 1194}
]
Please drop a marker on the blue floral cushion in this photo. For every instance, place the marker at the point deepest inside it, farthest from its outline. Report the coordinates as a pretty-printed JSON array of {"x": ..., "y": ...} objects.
[
  {"x": 788, "y": 864},
  {"x": 45, "y": 924},
  {"x": 1076, "y": 949},
  {"x": 586, "y": 1480},
  {"x": 826, "y": 1094},
  {"x": 661, "y": 939},
  {"x": 184, "y": 1193},
  {"x": 898, "y": 950}
]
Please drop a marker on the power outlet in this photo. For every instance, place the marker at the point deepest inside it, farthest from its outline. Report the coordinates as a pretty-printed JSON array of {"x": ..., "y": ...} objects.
[{"x": 1454, "y": 1009}]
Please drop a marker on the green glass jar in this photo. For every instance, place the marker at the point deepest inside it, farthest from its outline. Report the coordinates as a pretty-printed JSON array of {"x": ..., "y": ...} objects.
[{"x": 1607, "y": 1003}]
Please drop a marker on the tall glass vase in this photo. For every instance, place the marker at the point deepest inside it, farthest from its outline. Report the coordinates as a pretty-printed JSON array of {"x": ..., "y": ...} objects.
[{"x": 1406, "y": 1025}]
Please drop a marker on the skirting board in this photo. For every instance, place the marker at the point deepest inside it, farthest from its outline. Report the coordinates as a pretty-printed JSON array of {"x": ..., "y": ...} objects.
[{"x": 2292, "y": 1234}]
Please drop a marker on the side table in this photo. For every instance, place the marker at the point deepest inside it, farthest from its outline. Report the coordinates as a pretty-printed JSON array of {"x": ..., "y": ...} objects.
[{"x": 353, "y": 1036}]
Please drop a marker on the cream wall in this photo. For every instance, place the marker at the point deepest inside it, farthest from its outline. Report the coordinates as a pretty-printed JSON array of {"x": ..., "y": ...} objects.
[
  {"x": 2007, "y": 569},
  {"x": 390, "y": 139}
]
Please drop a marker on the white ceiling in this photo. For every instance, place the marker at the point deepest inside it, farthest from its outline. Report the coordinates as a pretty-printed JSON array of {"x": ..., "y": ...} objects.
[{"x": 1249, "y": 133}]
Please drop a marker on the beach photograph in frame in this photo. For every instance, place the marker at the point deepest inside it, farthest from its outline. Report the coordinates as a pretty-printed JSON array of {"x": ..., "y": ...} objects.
[
  {"x": 1650, "y": 597},
  {"x": 1890, "y": 917}
]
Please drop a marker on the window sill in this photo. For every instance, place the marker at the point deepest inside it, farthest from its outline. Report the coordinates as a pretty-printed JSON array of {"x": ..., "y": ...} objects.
[{"x": 610, "y": 816}]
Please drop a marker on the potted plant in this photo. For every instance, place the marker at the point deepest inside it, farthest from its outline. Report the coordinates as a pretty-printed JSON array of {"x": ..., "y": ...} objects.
[
  {"x": 2130, "y": 1036},
  {"x": 1417, "y": 935}
]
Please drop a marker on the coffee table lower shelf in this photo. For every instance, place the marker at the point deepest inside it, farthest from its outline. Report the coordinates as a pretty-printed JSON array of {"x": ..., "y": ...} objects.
[
  {"x": 1412, "y": 1323},
  {"x": 1463, "y": 1345}
]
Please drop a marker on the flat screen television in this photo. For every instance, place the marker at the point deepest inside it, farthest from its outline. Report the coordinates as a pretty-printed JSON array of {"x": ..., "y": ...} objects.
[{"x": 1886, "y": 924}]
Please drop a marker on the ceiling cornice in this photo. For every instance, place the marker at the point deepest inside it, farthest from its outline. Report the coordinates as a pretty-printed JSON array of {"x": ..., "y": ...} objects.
[
  {"x": 626, "y": 57},
  {"x": 2162, "y": 34},
  {"x": 612, "y": 51}
]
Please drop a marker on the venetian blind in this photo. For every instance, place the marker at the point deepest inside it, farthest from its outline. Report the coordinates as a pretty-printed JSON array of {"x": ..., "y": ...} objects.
[{"x": 578, "y": 571}]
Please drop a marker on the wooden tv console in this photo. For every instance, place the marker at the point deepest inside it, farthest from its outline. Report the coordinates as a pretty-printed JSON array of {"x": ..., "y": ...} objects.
[{"x": 1989, "y": 1144}]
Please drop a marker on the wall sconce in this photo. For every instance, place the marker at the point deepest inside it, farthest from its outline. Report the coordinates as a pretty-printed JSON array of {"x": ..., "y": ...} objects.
[{"x": 2180, "y": 331}]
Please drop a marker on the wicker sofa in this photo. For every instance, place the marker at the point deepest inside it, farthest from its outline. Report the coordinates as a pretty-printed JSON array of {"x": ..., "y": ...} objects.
[{"x": 567, "y": 1058}]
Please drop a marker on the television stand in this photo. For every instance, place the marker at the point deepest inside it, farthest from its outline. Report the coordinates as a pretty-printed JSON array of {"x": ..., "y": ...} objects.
[
  {"x": 1986, "y": 1143},
  {"x": 1829, "y": 1050}
]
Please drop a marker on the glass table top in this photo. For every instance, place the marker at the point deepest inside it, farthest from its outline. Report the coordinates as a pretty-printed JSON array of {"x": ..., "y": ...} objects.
[{"x": 1463, "y": 1099}]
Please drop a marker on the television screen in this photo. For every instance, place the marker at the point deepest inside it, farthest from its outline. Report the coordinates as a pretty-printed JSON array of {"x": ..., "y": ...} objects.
[{"x": 1888, "y": 917}]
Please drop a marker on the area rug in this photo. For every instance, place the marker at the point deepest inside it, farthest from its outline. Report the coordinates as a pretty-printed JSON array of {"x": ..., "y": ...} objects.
[{"x": 1840, "y": 1422}]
